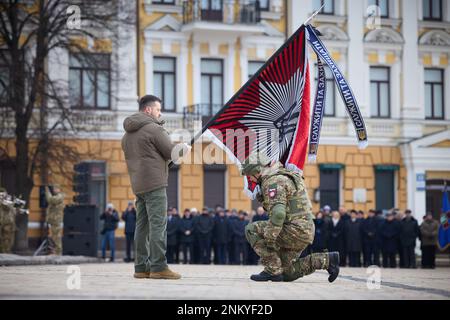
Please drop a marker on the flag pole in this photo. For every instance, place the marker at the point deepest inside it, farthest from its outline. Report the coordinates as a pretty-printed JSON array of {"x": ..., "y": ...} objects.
[{"x": 315, "y": 13}]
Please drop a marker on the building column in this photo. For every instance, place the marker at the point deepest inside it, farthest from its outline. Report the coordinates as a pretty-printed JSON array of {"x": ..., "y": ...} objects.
[
  {"x": 355, "y": 28},
  {"x": 229, "y": 71},
  {"x": 447, "y": 92},
  {"x": 411, "y": 108},
  {"x": 148, "y": 62},
  {"x": 416, "y": 199},
  {"x": 298, "y": 12},
  {"x": 124, "y": 66},
  {"x": 196, "y": 69},
  {"x": 395, "y": 89},
  {"x": 182, "y": 62},
  {"x": 244, "y": 62},
  {"x": 229, "y": 9}
]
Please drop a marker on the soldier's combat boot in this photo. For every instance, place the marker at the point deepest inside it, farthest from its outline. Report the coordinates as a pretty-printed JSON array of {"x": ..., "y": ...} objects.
[
  {"x": 265, "y": 276},
  {"x": 333, "y": 266}
]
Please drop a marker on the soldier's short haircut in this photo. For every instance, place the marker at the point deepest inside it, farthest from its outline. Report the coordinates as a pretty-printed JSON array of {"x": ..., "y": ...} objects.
[{"x": 147, "y": 100}]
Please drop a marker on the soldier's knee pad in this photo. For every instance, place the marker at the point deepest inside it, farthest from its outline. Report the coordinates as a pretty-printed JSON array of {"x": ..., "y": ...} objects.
[{"x": 250, "y": 234}]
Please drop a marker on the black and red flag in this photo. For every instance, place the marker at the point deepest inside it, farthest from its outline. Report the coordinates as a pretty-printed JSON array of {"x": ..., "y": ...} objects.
[
  {"x": 270, "y": 111},
  {"x": 270, "y": 114}
]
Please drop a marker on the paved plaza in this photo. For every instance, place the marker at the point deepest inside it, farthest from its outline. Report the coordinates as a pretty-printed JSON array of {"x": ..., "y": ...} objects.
[{"x": 200, "y": 282}]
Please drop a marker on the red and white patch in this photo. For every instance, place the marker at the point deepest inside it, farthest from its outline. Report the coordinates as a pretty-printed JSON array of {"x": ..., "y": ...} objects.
[{"x": 272, "y": 193}]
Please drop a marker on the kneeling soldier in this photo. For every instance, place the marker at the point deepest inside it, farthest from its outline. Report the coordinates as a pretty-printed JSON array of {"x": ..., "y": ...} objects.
[{"x": 280, "y": 241}]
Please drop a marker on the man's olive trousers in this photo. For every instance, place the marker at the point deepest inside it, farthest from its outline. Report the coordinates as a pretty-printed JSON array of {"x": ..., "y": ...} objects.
[{"x": 150, "y": 237}]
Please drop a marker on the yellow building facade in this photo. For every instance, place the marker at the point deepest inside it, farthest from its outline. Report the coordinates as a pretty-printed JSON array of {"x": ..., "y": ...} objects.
[{"x": 197, "y": 54}]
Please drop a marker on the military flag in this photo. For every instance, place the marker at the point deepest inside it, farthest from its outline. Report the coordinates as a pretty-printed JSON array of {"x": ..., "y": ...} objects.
[
  {"x": 444, "y": 228},
  {"x": 271, "y": 113}
]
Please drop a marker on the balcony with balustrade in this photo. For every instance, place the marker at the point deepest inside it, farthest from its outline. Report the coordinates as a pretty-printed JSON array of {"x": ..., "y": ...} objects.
[{"x": 222, "y": 18}]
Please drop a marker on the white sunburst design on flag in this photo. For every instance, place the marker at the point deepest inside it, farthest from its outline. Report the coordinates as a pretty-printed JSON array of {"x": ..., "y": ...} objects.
[{"x": 277, "y": 116}]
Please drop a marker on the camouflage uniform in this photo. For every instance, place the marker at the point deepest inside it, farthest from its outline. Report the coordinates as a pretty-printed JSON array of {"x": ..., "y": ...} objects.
[
  {"x": 280, "y": 241},
  {"x": 7, "y": 224},
  {"x": 55, "y": 212}
]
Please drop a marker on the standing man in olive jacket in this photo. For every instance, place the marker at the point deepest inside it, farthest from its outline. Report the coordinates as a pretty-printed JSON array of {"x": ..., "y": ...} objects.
[
  {"x": 429, "y": 236},
  {"x": 148, "y": 151}
]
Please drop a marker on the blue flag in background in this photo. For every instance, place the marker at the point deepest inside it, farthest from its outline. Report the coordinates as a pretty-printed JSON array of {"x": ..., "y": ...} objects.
[{"x": 444, "y": 228}]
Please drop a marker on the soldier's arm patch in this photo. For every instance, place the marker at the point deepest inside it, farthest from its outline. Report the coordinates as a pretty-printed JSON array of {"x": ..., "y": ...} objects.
[
  {"x": 275, "y": 192},
  {"x": 272, "y": 191}
]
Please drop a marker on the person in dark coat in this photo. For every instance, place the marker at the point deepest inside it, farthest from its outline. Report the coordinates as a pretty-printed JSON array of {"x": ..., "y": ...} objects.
[
  {"x": 337, "y": 230},
  {"x": 369, "y": 230},
  {"x": 345, "y": 217},
  {"x": 129, "y": 216},
  {"x": 111, "y": 218},
  {"x": 408, "y": 236},
  {"x": 186, "y": 230},
  {"x": 173, "y": 223},
  {"x": 390, "y": 231},
  {"x": 360, "y": 215},
  {"x": 239, "y": 240},
  {"x": 429, "y": 237},
  {"x": 379, "y": 218},
  {"x": 353, "y": 236},
  {"x": 399, "y": 216},
  {"x": 232, "y": 216},
  {"x": 220, "y": 233},
  {"x": 214, "y": 213},
  {"x": 203, "y": 226},
  {"x": 196, "y": 244},
  {"x": 177, "y": 248},
  {"x": 322, "y": 233}
]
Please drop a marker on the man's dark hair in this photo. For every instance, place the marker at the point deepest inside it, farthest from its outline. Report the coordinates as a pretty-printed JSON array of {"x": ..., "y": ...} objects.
[
  {"x": 147, "y": 100},
  {"x": 407, "y": 211}
]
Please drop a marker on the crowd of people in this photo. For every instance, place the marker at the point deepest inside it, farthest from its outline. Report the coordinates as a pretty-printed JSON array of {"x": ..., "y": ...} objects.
[
  {"x": 376, "y": 238},
  {"x": 218, "y": 236},
  {"x": 212, "y": 235}
]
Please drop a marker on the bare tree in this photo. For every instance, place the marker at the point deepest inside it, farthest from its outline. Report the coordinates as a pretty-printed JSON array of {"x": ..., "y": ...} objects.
[{"x": 35, "y": 107}]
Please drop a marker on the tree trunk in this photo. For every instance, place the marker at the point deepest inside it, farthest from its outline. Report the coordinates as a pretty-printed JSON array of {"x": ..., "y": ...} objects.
[{"x": 24, "y": 183}]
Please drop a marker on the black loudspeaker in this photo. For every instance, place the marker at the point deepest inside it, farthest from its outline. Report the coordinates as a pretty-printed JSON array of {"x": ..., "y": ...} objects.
[
  {"x": 80, "y": 244},
  {"x": 80, "y": 230},
  {"x": 81, "y": 219}
]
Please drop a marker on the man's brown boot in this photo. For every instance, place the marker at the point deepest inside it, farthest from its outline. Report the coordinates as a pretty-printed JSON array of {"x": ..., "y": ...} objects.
[
  {"x": 142, "y": 275},
  {"x": 165, "y": 274}
]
